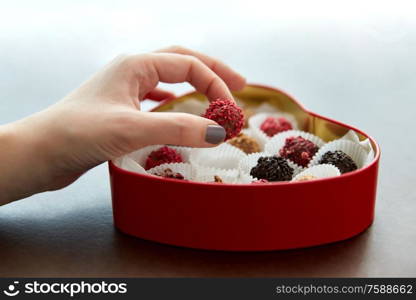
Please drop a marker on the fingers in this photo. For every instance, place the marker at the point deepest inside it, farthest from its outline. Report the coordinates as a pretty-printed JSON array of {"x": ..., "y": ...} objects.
[
  {"x": 233, "y": 80},
  {"x": 174, "y": 68},
  {"x": 159, "y": 95},
  {"x": 177, "y": 129}
]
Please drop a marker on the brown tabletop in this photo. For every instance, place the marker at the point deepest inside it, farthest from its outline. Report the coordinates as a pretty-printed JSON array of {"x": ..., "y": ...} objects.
[
  {"x": 70, "y": 233},
  {"x": 361, "y": 73}
]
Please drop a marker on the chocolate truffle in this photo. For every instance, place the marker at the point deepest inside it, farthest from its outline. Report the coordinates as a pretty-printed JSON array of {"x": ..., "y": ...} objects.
[
  {"x": 227, "y": 114},
  {"x": 272, "y": 126},
  {"x": 162, "y": 155},
  {"x": 340, "y": 160},
  {"x": 298, "y": 150},
  {"x": 272, "y": 168},
  {"x": 168, "y": 173},
  {"x": 245, "y": 143}
]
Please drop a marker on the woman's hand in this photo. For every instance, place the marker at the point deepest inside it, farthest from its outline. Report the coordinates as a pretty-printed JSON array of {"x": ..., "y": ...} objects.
[{"x": 101, "y": 120}]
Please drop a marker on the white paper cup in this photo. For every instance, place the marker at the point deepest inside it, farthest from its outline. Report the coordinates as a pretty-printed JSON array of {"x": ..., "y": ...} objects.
[
  {"x": 245, "y": 178},
  {"x": 127, "y": 163},
  {"x": 224, "y": 157},
  {"x": 351, "y": 135},
  {"x": 352, "y": 149},
  {"x": 206, "y": 174},
  {"x": 318, "y": 171},
  {"x": 185, "y": 169}
]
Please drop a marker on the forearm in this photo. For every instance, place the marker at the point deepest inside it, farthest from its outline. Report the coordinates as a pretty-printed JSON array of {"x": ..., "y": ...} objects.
[{"x": 22, "y": 162}]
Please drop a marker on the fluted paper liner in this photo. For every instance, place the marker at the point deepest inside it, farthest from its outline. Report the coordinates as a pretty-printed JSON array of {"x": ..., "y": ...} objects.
[
  {"x": 224, "y": 157},
  {"x": 207, "y": 174},
  {"x": 319, "y": 171},
  {"x": 256, "y": 121},
  {"x": 185, "y": 169},
  {"x": 142, "y": 154},
  {"x": 352, "y": 149},
  {"x": 127, "y": 163},
  {"x": 245, "y": 178},
  {"x": 366, "y": 144}
]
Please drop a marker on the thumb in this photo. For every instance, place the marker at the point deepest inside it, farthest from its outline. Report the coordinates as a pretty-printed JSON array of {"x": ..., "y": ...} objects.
[{"x": 178, "y": 129}]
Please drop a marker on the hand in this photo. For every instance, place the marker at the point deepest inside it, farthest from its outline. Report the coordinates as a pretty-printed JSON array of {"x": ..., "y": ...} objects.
[{"x": 101, "y": 120}]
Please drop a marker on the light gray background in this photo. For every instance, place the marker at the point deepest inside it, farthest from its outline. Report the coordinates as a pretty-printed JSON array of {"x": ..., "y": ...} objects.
[{"x": 353, "y": 62}]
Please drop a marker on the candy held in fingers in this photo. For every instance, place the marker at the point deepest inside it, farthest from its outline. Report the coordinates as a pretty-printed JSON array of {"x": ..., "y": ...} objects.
[
  {"x": 162, "y": 155},
  {"x": 340, "y": 160},
  {"x": 245, "y": 143},
  {"x": 272, "y": 126},
  {"x": 298, "y": 150},
  {"x": 272, "y": 168},
  {"x": 227, "y": 114}
]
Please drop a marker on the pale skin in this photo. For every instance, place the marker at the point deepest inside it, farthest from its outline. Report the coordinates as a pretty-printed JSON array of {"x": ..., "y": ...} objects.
[{"x": 101, "y": 120}]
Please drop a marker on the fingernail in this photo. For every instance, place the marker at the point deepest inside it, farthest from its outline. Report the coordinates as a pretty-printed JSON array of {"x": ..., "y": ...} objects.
[{"x": 215, "y": 134}]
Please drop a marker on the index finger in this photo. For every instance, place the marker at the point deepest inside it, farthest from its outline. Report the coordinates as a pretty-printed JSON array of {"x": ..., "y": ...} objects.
[
  {"x": 233, "y": 79},
  {"x": 175, "y": 68}
]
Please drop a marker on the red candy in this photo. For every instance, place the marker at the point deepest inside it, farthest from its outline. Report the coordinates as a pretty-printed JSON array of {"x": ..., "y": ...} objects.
[
  {"x": 227, "y": 114},
  {"x": 272, "y": 125},
  {"x": 163, "y": 155},
  {"x": 298, "y": 150},
  {"x": 260, "y": 181}
]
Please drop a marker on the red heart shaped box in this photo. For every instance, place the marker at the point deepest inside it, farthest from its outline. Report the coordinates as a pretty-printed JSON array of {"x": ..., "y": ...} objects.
[{"x": 281, "y": 215}]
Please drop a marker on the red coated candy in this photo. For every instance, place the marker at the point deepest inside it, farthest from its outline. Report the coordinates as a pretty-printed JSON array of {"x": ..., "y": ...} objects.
[
  {"x": 227, "y": 114},
  {"x": 298, "y": 150},
  {"x": 260, "y": 181},
  {"x": 272, "y": 125},
  {"x": 163, "y": 155}
]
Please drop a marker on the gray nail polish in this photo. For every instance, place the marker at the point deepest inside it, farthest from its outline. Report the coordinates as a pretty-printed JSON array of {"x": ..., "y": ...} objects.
[{"x": 215, "y": 134}]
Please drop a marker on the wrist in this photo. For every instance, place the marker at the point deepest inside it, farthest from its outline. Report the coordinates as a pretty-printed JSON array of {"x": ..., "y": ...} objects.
[{"x": 22, "y": 161}]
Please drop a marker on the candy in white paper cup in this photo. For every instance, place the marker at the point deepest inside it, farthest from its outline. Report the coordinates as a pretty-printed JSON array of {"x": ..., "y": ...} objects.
[
  {"x": 251, "y": 161},
  {"x": 246, "y": 143},
  {"x": 316, "y": 172},
  {"x": 223, "y": 156},
  {"x": 206, "y": 174},
  {"x": 355, "y": 151},
  {"x": 168, "y": 170},
  {"x": 257, "y": 120},
  {"x": 141, "y": 155},
  {"x": 276, "y": 143}
]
